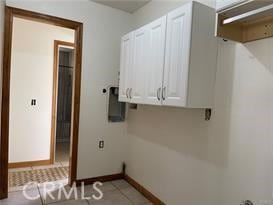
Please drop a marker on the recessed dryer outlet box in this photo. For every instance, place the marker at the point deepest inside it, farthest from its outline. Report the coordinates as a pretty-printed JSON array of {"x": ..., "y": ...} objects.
[{"x": 116, "y": 109}]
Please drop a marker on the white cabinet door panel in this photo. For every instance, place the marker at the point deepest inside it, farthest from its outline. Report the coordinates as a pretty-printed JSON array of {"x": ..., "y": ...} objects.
[
  {"x": 137, "y": 93},
  {"x": 155, "y": 61},
  {"x": 177, "y": 56},
  {"x": 125, "y": 66}
]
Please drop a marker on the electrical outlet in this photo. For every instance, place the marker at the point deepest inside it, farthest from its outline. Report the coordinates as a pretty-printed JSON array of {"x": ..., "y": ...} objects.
[
  {"x": 33, "y": 102},
  {"x": 101, "y": 144}
]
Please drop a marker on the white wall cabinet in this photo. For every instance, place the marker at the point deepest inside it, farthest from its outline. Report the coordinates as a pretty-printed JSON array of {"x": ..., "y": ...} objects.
[
  {"x": 173, "y": 60},
  {"x": 142, "y": 64}
]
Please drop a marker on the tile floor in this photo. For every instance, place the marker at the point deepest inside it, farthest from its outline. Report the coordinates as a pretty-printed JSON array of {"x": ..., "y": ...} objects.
[
  {"x": 57, "y": 164},
  {"x": 20, "y": 178},
  {"x": 117, "y": 192}
]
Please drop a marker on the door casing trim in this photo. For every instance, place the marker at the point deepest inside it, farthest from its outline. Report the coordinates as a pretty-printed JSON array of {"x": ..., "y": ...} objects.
[
  {"x": 10, "y": 13},
  {"x": 57, "y": 44}
]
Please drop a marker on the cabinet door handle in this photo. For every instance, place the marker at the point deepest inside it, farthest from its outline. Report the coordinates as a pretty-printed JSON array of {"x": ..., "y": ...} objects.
[
  {"x": 127, "y": 92},
  {"x": 164, "y": 93},
  {"x": 130, "y": 93},
  {"x": 158, "y": 93}
]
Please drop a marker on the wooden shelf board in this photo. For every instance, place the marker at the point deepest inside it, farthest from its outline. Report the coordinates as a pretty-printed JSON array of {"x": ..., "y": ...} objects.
[{"x": 246, "y": 27}]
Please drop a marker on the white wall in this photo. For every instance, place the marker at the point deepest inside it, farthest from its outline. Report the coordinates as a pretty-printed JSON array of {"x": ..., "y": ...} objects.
[
  {"x": 241, "y": 132},
  {"x": 32, "y": 78},
  {"x": 183, "y": 159},
  {"x": 102, "y": 29}
]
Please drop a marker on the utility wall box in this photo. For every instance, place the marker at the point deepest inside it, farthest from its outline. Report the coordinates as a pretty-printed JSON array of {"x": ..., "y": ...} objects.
[
  {"x": 244, "y": 20},
  {"x": 116, "y": 109}
]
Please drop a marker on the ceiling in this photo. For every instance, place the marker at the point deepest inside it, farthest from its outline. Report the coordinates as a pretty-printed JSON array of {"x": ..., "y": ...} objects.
[{"x": 126, "y": 5}]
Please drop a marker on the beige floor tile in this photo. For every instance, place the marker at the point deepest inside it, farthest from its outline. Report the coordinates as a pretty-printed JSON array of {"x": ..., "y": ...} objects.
[
  {"x": 17, "y": 198},
  {"x": 106, "y": 187},
  {"x": 111, "y": 198},
  {"x": 121, "y": 184},
  {"x": 56, "y": 183},
  {"x": 20, "y": 188},
  {"x": 56, "y": 194},
  {"x": 134, "y": 196},
  {"x": 72, "y": 202}
]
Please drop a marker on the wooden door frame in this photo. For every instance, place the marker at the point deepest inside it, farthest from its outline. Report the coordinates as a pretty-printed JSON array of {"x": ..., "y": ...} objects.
[
  {"x": 10, "y": 13},
  {"x": 57, "y": 44}
]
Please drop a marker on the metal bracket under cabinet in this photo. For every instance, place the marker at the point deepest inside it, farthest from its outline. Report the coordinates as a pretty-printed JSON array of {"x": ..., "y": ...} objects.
[{"x": 207, "y": 114}]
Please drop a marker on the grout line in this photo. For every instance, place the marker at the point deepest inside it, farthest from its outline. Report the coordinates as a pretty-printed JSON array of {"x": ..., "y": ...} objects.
[
  {"x": 114, "y": 185},
  {"x": 133, "y": 188},
  {"x": 41, "y": 198},
  {"x": 89, "y": 202},
  {"x": 122, "y": 192},
  {"x": 126, "y": 196}
]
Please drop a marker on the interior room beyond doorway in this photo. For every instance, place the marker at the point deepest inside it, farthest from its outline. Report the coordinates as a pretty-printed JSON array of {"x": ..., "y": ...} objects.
[{"x": 32, "y": 83}]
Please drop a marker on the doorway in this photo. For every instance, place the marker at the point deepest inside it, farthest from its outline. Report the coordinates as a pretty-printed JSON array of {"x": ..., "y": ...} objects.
[
  {"x": 10, "y": 14},
  {"x": 64, "y": 53}
]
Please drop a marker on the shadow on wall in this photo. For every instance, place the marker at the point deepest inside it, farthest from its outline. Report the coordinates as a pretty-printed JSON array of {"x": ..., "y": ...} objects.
[
  {"x": 250, "y": 155},
  {"x": 181, "y": 130},
  {"x": 219, "y": 126}
]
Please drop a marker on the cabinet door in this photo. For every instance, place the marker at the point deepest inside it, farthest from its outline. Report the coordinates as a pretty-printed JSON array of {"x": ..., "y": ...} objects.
[
  {"x": 125, "y": 66},
  {"x": 177, "y": 57},
  {"x": 155, "y": 61},
  {"x": 136, "y": 92}
]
